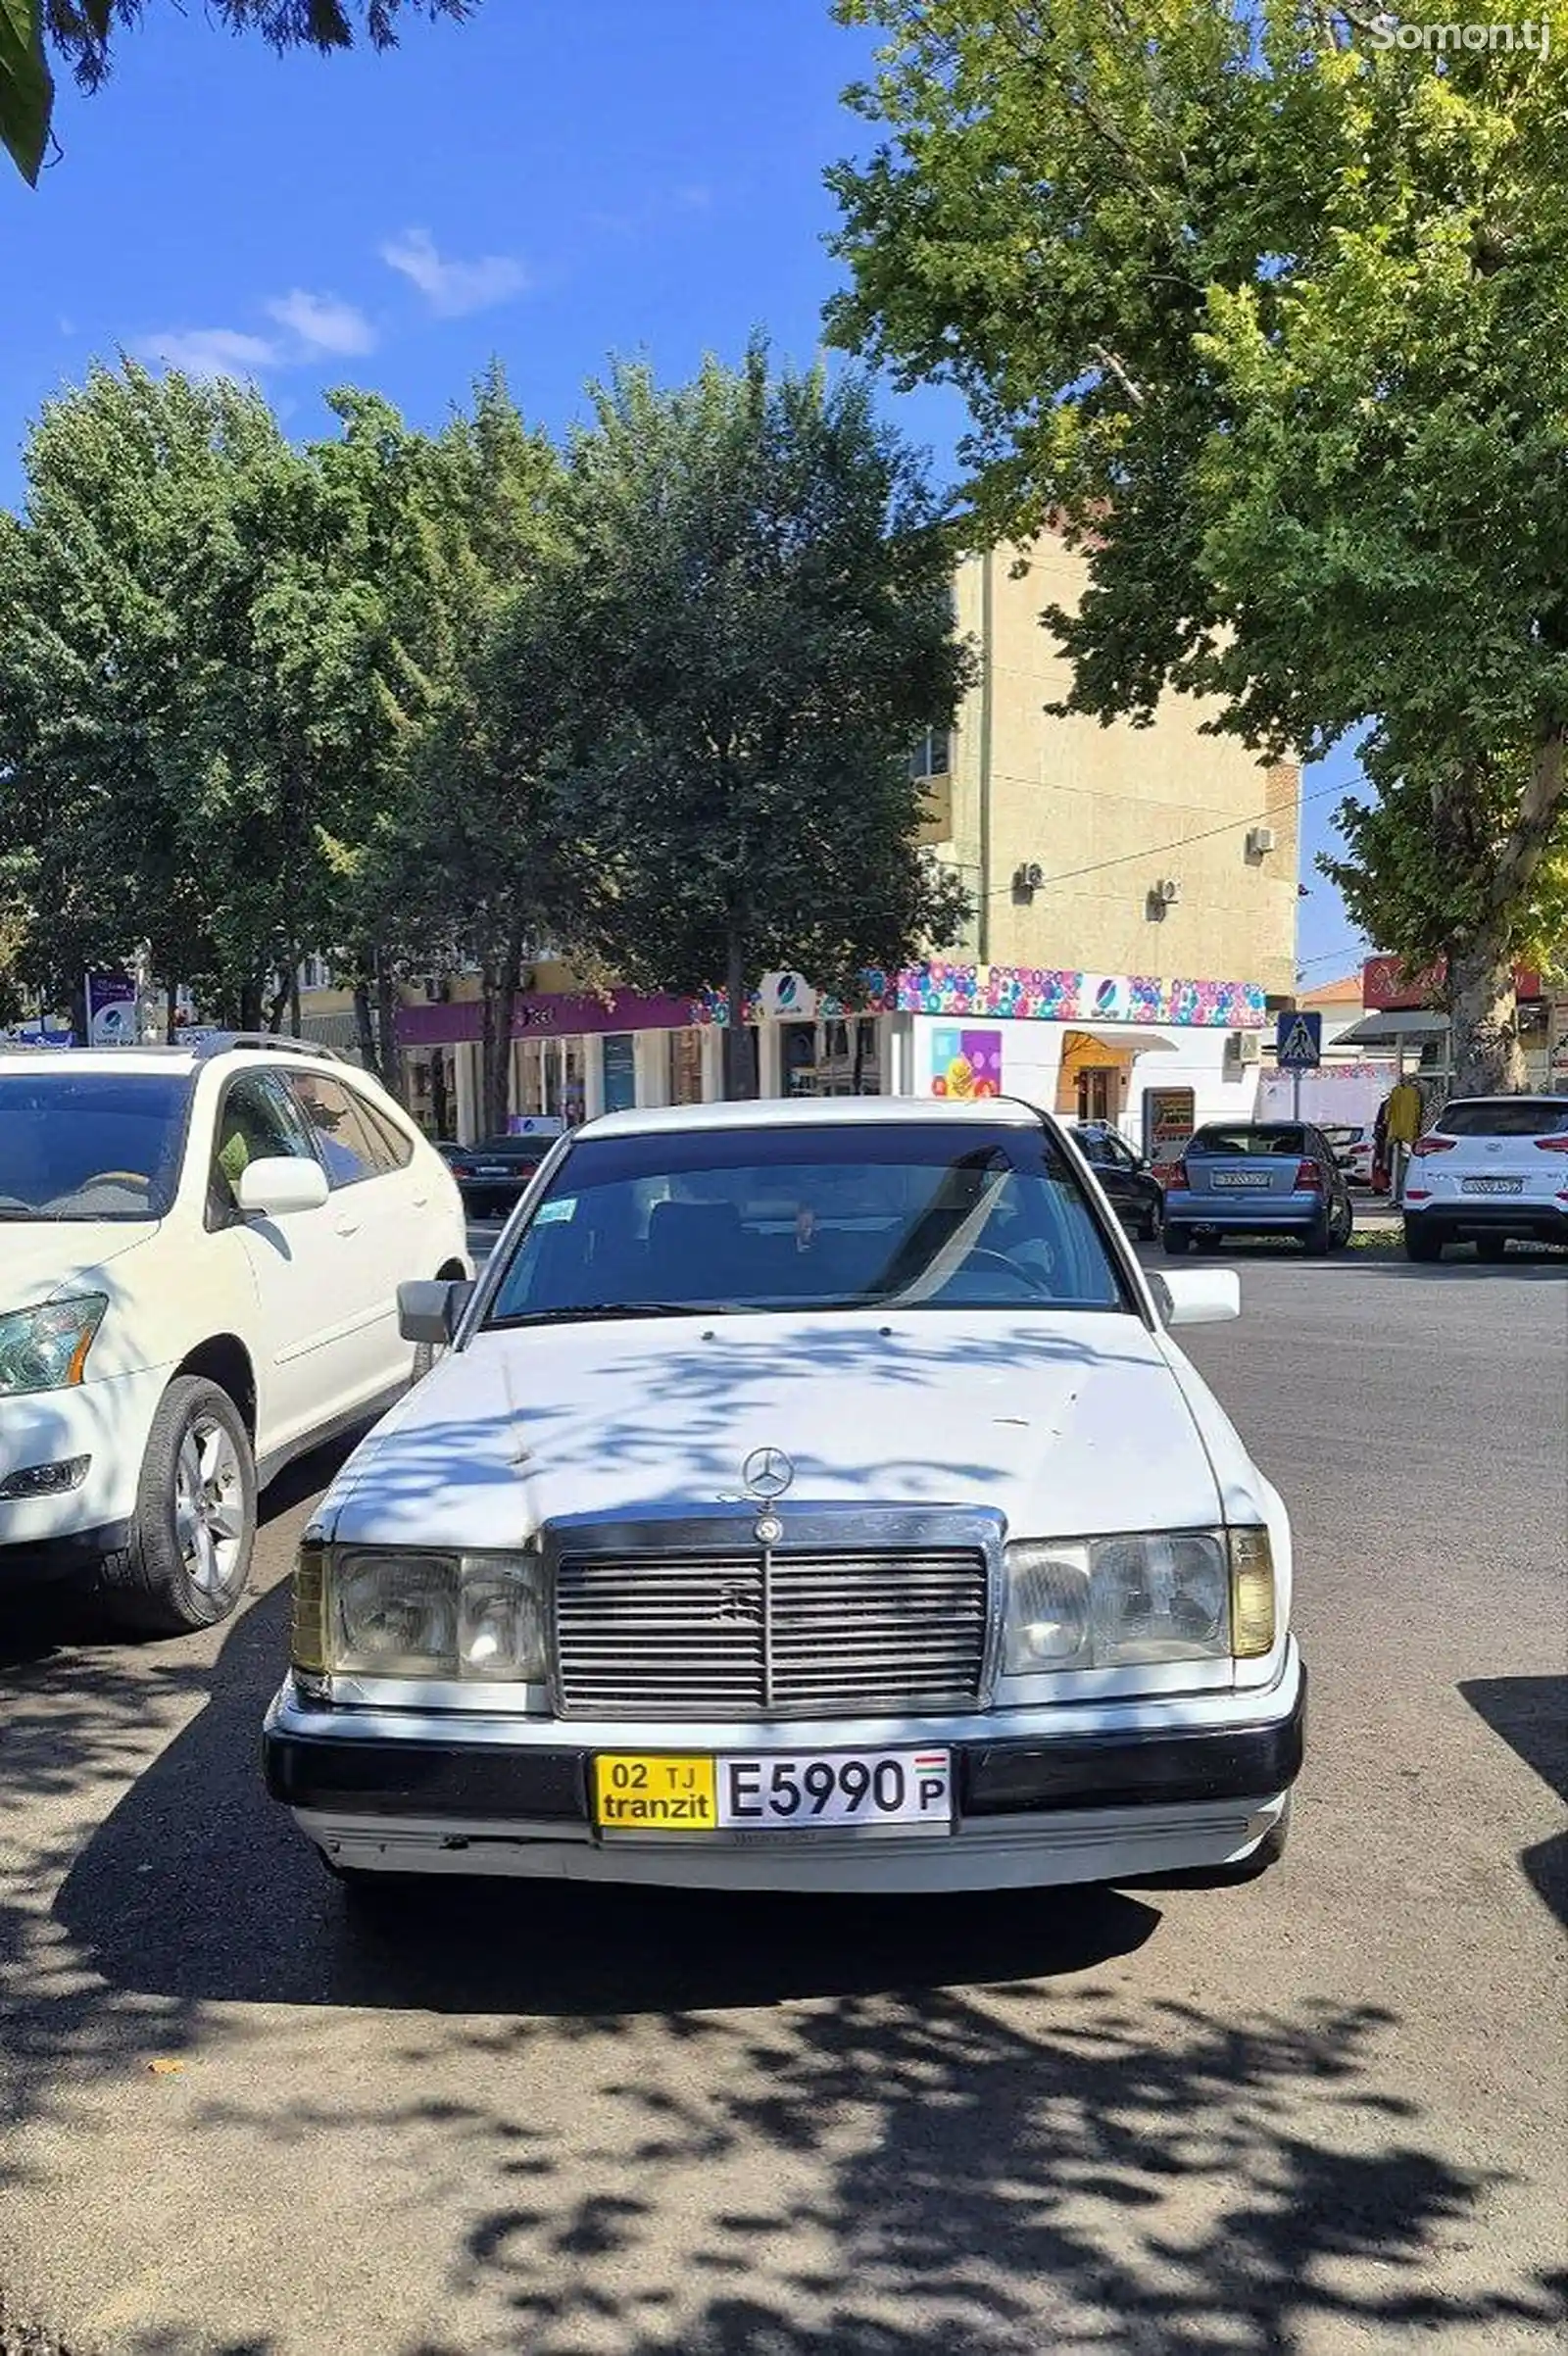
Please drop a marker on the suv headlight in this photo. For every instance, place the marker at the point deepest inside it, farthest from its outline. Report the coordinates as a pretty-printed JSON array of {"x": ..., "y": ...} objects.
[
  {"x": 372, "y": 1611},
  {"x": 46, "y": 1349},
  {"x": 1120, "y": 1602}
]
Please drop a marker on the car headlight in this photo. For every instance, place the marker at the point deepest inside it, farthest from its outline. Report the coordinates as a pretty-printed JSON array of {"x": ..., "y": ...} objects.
[
  {"x": 383, "y": 1612},
  {"x": 45, "y": 1349},
  {"x": 1120, "y": 1602}
]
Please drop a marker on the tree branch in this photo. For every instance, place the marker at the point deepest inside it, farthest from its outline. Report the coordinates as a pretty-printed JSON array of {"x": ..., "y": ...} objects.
[{"x": 1532, "y": 831}]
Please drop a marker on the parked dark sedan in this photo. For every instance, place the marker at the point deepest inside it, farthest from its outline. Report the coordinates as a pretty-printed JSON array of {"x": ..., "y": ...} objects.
[
  {"x": 1136, "y": 1194},
  {"x": 492, "y": 1174}
]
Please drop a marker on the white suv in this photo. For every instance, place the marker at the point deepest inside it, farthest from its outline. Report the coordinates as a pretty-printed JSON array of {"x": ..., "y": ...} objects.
[
  {"x": 1489, "y": 1167},
  {"x": 200, "y": 1252}
]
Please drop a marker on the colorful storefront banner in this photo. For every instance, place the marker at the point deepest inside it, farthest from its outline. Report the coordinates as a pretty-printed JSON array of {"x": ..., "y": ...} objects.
[
  {"x": 1037, "y": 993},
  {"x": 964, "y": 992}
]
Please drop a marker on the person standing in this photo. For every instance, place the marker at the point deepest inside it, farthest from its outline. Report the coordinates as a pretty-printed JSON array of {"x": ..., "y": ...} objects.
[{"x": 1402, "y": 1127}]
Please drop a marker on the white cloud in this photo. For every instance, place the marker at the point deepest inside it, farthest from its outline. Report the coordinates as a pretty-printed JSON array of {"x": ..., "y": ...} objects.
[
  {"x": 211, "y": 351},
  {"x": 322, "y": 324},
  {"x": 453, "y": 288}
]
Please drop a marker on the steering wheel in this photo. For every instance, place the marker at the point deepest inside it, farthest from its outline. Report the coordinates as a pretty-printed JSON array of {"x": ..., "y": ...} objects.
[{"x": 986, "y": 1255}]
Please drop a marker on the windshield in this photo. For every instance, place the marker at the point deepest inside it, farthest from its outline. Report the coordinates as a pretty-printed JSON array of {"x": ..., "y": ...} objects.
[
  {"x": 923, "y": 1214},
  {"x": 1506, "y": 1116},
  {"x": 1249, "y": 1143},
  {"x": 90, "y": 1145}
]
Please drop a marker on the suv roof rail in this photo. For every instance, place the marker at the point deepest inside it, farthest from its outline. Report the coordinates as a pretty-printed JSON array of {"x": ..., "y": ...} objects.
[{"x": 221, "y": 1043}]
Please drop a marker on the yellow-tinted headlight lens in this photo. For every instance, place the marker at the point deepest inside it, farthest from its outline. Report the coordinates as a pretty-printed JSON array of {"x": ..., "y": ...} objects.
[
  {"x": 308, "y": 1640},
  {"x": 1251, "y": 1593}
]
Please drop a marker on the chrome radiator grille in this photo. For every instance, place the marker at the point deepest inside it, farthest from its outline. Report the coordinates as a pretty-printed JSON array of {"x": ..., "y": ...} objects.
[{"x": 792, "y": 1634}]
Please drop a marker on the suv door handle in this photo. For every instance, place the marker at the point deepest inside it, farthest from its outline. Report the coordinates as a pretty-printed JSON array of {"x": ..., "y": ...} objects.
[{"x": 348, "y": 1226}]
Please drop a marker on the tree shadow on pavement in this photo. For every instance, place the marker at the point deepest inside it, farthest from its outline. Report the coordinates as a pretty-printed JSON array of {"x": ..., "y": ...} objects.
[{"x": 1531, "y": 1714}]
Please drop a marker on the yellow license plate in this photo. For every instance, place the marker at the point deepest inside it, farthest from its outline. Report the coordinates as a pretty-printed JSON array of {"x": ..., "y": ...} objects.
[{"x": 646, "y": 1792}]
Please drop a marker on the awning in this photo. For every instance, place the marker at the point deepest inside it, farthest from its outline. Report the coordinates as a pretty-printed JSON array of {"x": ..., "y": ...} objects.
[
  {"x": 1124, "y": 1035},
  {"x": 1389, "y": 1029}
]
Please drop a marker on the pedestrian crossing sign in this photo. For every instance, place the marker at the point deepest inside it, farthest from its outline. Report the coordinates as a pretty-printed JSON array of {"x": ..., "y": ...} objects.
[{"x": 1299, "y": 1042}]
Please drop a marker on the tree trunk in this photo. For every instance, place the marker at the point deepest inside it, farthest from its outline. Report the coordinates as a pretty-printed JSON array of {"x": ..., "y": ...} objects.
[
  {"x": 1483, "y": 1036},
  {"x": 294, "y": 998},
  {"x": 279, "y": 1008},
  {"x": 171, "y": 1013},
  {"x": 502, "y": 975},
  {"x": 363, "y": 1031},
  {"x": 1482, "y": 1015},
  {"x": 739, "y": 1077},
  {"x": 251, "y": 995},
  {"x": 386, "y": 1023}
]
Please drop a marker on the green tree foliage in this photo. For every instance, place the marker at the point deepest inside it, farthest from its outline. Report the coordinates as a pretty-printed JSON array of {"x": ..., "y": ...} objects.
[
  {"x": 195, "y": 627},
  {"x": 472, "y": 852},
  {"x": 751, "y": 629},
  {"x": 84, "y": 33},
  {"x": 1265, "y": 310}
]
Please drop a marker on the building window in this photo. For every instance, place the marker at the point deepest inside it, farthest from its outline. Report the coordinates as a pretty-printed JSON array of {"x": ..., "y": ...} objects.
[{"x": 933, "y": 755}]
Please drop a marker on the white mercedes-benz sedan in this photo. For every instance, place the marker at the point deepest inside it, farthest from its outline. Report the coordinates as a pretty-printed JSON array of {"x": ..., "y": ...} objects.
[{"x": 809, "y": 1496}]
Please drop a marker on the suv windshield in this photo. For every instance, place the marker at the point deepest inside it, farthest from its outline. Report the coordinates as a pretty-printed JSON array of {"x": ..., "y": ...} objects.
[
  {"x": 1506, "y": 1116},
  {"x": 925, "y": 1214},
  {"x": 90, "y": 1145}
]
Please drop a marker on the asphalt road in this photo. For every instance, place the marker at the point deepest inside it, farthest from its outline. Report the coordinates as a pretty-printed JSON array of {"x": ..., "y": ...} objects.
[{"x": 1323, "y": 2113}]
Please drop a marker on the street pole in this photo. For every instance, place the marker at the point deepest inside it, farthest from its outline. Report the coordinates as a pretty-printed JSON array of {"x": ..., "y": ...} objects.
[{"x": 1296, "y": 1093}]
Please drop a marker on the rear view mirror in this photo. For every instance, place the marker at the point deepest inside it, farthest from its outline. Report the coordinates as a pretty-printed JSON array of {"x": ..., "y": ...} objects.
[
  {"x": 431, "y": 1311},
  {"x": 278, "y": 1185},
  {"x": 1198, "y": 1295}
]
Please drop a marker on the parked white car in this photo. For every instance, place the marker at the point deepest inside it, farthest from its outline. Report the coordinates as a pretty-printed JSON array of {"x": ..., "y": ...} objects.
[
  {"x": 1489, "y": 1168},
  {"x": 811, "y": 1497},
  {"x": 200, "y": 1251}
]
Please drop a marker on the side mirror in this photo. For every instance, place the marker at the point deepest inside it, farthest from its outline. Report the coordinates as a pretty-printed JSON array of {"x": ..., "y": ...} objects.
[
  {"x": 1198, "y": 1295},
  {"x": 278, "y": 1185},
  {"x": 431, "y": 1311}
]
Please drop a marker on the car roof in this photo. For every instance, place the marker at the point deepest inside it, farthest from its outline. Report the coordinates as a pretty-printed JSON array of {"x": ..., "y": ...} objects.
[
  {"x": 1525, "y": 1095},
  {"x": 159, "y": 1056},
  {"x": 811, "y": 1113}
]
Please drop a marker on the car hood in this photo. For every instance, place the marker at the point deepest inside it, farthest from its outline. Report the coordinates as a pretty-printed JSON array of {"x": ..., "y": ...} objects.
[
  {"x": 1064, "y": 1422},
  {"x": 48, "y": 1259}
]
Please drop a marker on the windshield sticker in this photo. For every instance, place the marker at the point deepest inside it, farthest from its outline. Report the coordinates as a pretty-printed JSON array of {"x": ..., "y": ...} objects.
[{"x": 558, "y": 1208}]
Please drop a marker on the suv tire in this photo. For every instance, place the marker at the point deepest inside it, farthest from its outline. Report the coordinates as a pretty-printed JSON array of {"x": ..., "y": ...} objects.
[
  {"x": 1178, "y": 1239},
  {"x": 189, "y": 1555},
  {"x": 1422, "y": 1242},
  {"x": 1492, "y": 1246}
]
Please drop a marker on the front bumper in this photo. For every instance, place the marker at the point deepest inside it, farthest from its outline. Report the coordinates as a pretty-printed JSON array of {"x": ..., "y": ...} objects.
[
  {"x": 1137, "y": 1795},
  {"x": 108, "y": 1422}
]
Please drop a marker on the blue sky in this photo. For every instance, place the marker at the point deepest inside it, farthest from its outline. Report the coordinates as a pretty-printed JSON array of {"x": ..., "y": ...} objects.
[{"x": 554, "y": 182}]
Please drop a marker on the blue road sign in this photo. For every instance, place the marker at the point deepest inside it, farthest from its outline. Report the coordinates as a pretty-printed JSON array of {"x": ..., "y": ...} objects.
[{"x": 1299, "y": 1042}]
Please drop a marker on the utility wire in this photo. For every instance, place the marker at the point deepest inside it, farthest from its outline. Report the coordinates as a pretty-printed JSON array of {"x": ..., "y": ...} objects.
[{"x": 1158, "y": 849}]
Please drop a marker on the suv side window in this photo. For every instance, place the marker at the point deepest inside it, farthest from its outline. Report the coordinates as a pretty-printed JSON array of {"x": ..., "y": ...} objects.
[
  {"x": 1119, "y": 1154},
  {"x": 352, "y": 1144},
  {"x": 396, "y": 1147},
  {"x": 257, "y": 1120}
]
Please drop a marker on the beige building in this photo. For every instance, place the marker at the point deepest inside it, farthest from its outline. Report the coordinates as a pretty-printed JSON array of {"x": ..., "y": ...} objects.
[{"x": 1157, "y": 850}]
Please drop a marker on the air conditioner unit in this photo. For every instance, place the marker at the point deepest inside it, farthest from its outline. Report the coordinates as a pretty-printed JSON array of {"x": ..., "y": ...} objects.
[
  {"x": 1169, "y": 892},
  {"x": 1246, "y": 1045},
  {"x": 1260, "y": 840}
]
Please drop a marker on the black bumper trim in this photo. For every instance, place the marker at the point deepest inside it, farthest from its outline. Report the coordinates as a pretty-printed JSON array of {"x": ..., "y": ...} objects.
[
  {"x": 77, "y": 1554},
  {"x": 470, "y": 1780},
  {"x": 1119, "y": 1771},
  {"x": 427, "y": 1778}
]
